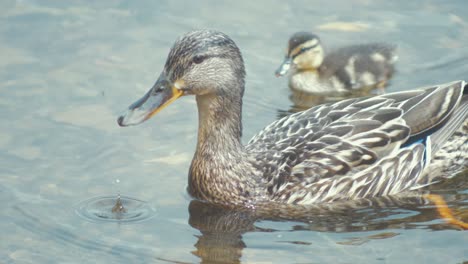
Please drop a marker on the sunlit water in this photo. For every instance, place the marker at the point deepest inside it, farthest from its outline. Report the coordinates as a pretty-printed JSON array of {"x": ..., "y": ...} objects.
[{"x": 69, "y": 68}]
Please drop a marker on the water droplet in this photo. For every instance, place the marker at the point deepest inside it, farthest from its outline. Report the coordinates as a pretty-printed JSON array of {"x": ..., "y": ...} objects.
[
  {"x": 118, "y": 207},
  {"x": 122, "y": 209}
]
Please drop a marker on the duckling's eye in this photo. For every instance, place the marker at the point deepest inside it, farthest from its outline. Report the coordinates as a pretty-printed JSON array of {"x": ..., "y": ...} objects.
[{"x": 197, "y": 59}]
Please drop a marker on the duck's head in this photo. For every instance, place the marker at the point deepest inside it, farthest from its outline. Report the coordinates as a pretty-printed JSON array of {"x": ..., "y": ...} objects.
[
  {"x": 304, "y": 52},
  {"x": 199, "y": 63}
]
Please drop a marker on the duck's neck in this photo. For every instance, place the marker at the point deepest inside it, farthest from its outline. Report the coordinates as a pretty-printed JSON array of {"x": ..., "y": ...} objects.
[
  {"x": 219, "y": 169},
  {"x": 220, "y": 125}
]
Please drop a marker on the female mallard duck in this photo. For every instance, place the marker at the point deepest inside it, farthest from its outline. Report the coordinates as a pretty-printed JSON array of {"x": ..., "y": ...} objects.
[
  {"x": 347, "y": 69},
  {"x": 356, "y": 148}
]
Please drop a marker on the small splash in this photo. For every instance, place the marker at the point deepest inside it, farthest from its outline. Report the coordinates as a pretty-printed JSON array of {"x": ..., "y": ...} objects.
[
  {"x": 121, "y": 209},
  {"x": 118, "y": 207}
]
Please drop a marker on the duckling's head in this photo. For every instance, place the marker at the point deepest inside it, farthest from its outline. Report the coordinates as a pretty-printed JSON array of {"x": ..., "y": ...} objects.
[
  {"x": 199, "y": 63},
  {"x": 304, "y": 52}
]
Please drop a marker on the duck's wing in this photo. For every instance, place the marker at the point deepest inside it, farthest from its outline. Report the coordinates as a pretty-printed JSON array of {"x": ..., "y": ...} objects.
[
  {"x": 330, "y": 143},
  {"x": 327, "y": 140},
  {"x": 391, "y": 175}
]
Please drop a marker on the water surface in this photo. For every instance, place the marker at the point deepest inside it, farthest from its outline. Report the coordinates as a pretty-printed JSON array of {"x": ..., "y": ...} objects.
[{"x": 69, "y": 68}]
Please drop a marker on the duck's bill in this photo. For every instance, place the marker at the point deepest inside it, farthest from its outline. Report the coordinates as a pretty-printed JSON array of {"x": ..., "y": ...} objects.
[
  {"x": 161, "y": 95},
  {"x": 284, "y": 67}
]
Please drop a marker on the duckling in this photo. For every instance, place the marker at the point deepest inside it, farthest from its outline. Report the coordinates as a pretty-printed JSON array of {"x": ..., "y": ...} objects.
[
  {"x": 352, "y": 149},
  {"x": 342, "y": 71}
]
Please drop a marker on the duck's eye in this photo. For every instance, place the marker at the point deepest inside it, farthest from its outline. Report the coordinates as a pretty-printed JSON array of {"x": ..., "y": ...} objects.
[{"x": 198, "y": 59}]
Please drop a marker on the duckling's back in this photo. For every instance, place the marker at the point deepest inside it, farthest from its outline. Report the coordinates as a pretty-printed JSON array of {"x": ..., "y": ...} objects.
[{"x": 359, "y": 66}]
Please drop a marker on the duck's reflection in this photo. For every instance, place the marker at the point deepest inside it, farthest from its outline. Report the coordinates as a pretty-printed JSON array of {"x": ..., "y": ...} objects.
[
  {"x": 302, "y": 100},
  {"x": 222, "y": 228},
  {"x": 221, "y": 232}
]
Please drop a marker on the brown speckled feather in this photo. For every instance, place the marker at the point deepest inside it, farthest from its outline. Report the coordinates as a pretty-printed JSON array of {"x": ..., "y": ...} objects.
[{"x": 313, "y": 155}]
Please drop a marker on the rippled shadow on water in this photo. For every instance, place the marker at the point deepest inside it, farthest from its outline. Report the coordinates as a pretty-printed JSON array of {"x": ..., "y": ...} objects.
[
  {"x": 222, "y": 229},
  {"x": 304, "y": 100},
  {"x": 27, "y": 220},
  {"x": 89, "y": 246}
]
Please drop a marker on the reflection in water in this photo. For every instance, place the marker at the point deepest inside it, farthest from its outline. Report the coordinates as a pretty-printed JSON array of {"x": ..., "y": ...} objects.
[
  {"x": 221, "y": 232},
  {"x": 222, "y": 229},
  {"x": 361, "y": 240},
  {"x": 304, "y": 100}
]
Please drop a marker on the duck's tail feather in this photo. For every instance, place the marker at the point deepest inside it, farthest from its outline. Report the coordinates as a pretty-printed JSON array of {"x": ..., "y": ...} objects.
[
  {"x": 428, "y": 112},
  {"x": 459, "y": 116},
  {"x": 447, "y": 148}
]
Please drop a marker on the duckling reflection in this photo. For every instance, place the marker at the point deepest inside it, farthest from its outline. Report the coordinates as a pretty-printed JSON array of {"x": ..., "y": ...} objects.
[
  {"x": 351, "y": 71},
  {"x": 302, "y": 100},
  {"x": 222, "y": 228}
]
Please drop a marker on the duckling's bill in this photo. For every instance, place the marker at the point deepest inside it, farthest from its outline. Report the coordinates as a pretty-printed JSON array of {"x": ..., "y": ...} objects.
[
  {"x": 284, "y": 67},
  {"x": 159, "y": 96}
]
